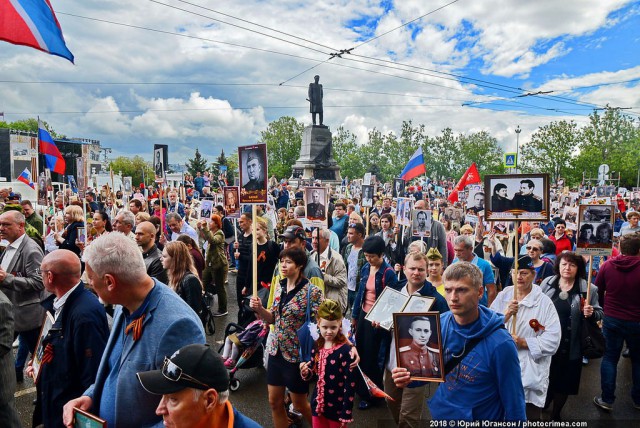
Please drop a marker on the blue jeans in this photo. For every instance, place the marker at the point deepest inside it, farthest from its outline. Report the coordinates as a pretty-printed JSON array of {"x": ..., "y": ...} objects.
[{"x": 617, "y": 331}]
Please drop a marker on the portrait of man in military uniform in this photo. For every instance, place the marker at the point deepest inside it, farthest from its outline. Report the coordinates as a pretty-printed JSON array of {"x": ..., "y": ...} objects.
[
  {"x": 526, "y": 200},
  {"x": 316, "y": 201},
  {"x": 253, "y": 174},
  {"x": 419, "y": 345}
]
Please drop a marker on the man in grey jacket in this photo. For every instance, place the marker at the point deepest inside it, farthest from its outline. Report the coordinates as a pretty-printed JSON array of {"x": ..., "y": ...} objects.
[
  {"x": 21, "y": 279},
  {"x": 332, "y": 267}
]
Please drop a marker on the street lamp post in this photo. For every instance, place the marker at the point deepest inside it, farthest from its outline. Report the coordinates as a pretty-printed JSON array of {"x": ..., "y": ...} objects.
[{"x": 518, "y": 131}]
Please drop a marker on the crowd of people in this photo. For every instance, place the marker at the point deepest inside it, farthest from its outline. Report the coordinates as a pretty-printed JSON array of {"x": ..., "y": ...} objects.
[{"x": 121, "y": 282}]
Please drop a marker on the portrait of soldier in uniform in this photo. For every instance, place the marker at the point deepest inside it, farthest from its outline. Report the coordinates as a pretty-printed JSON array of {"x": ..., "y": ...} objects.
[
  {"x": 316, "y": 209},
  {"x": 418, "y": 346},
  {"x": 525, "y": 199},
  {"x": 255, "y": 172}
]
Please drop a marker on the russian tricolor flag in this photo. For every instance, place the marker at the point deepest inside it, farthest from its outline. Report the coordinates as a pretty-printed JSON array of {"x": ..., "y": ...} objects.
[
  {"x": 415, "y": 167},
  {"x": 52, "y": 156},
  {"x": 32, "y": 23},
  {"x": 25, "y": 177}
]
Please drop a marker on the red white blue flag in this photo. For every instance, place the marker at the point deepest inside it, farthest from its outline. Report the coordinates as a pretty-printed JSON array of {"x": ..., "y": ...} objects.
[
  {"x": 32, "y": 23},
  {"x": 415, "y": 167},
  {"x": 52, "y": 156},
  {"x": 25, "y": 177}
]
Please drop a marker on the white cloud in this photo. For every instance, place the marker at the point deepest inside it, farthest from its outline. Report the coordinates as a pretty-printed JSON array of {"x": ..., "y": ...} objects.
[{"x": 496, "y": 37}]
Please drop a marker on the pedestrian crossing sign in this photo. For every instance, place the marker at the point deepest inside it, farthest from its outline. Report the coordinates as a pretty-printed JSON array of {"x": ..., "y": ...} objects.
[{"x": 510, "y": 160}]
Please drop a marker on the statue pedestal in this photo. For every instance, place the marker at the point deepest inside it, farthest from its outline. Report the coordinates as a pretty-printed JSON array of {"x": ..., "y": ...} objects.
[{"x": 316, "y": 157}]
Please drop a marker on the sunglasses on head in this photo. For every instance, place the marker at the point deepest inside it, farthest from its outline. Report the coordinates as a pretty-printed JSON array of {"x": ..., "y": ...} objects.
[{"x": 174, "y": 373}]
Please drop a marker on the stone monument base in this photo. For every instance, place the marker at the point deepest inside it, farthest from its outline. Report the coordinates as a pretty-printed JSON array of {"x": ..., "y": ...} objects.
[{"x": 316, "y": 157}]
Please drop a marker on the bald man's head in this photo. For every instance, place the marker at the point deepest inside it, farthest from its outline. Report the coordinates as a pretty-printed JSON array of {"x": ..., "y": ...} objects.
[
  {"x": 60, "y": 271},
  {"x": 145, "y": 235},
  {"x": 420, "y": 205}
]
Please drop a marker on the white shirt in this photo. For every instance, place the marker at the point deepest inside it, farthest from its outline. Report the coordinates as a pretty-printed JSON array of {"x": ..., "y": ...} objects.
[
  {"x": 10, "y": 251},
  {"x": 535, "y": 362},
  {"x": 58, "y": 303}
]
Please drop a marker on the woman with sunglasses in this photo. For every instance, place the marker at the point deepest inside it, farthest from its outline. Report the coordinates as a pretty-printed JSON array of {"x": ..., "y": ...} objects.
[
  {"x": 288, "y": 314},
  {"x": 534, "y": 248}
]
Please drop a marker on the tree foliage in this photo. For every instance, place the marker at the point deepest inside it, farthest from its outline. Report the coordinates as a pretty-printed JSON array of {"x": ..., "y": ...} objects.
[
  {"x": 197, "y": 164},
  {"x": 136, "y": 167},
  {"x": 30, "y": 125},
  {"x": 283, "y": 138},
  {"x": 552, "y": 149}
]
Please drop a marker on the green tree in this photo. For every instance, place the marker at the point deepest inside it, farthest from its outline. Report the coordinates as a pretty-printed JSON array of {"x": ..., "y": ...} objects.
[
  {"x": 30, "y": 125},
  {"x": 552, "y": 149},
  {"x": 348, "y": 153},
  {"x": 197, "y": 164},
  {"x": 220, "y": 161},
  {"x": 483, "y": 149},
  {"x": 283, "y": 138},
  {"x": 136, "y": 167},
  {"x": 610, "y": 138}
]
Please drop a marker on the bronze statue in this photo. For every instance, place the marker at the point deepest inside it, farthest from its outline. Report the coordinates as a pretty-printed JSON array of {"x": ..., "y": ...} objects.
[{"x": 315, "y": 99}]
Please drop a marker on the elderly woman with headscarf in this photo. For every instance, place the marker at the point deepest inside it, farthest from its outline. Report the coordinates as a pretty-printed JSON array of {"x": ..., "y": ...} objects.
[{"x": 536, "y": 333}]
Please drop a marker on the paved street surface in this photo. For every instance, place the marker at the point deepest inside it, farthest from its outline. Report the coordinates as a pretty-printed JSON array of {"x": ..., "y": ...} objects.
[{"x": 251, "y": 397}]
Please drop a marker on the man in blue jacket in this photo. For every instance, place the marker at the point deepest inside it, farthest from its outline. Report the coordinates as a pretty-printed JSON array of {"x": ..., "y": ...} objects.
[
  {"x": 75, "y": 343},
  {"x": 152, "y": 322},
  {"x": 482, "y": 370}
]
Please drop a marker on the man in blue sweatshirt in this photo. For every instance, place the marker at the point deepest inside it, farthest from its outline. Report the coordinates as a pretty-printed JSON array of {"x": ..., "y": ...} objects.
[{"x": 482, "y": 371}]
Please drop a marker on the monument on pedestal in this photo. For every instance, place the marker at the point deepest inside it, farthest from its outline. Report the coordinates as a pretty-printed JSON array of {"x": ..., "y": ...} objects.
[{"x": 316, "y": 158}]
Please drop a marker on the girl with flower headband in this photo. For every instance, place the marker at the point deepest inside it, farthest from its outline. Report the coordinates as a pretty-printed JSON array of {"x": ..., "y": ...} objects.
[{"x": 332, "y": 398}]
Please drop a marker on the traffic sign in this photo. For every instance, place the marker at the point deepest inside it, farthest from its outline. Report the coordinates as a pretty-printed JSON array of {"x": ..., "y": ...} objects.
[{"x": 510, "y": 160}]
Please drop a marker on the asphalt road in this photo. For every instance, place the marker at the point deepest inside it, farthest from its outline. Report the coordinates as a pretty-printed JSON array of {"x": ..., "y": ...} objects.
[{"x": 251, "y": 397}]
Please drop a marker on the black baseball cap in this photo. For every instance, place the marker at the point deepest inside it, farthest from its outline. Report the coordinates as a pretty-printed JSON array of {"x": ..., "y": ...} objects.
[
  {"x": 193, "y": 366},
  {"x": 294, "y": 232}
]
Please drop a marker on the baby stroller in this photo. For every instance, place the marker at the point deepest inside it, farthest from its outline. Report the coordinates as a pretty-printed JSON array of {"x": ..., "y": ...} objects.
[{"x": 251, "y": 339}]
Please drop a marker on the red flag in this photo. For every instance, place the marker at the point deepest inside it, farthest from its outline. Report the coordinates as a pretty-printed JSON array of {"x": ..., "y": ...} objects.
[
  {"x": 374, "y": 390},
  {"x": 470, "y": 176}
]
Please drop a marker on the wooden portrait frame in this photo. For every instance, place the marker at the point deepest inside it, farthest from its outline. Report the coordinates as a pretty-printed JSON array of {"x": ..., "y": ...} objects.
[
  {"x": 406, "y": 350},
  {"x": 82, "y": 419},
  {"x": 389, "y": 302},
  {"x": 495, "y": 210}
]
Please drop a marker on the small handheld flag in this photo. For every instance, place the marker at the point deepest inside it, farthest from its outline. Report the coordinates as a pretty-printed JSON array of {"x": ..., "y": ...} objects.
[{"x": 25, "y": 177}]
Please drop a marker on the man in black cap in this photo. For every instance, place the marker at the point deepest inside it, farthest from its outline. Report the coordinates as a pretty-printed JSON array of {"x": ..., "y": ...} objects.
[{"x": 194, "y": 385}]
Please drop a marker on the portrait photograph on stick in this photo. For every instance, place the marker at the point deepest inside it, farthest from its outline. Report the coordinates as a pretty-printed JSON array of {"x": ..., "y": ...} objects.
[
  {"x": 389, "y": 302},
  {"x": 403, "y": 211},
  {"x": 421, "y": 221},
  {"x": 316, "y": 206},
  {"x": 516, "y": 197},
  {"x": 398, "y": 187},
  {"x": 158, "y": 165},
  {"x": 595, "y": 230},
  {"x": 367, "y": 195},
  {"x": 253, "y": 174},
  {"x": 419, "y": 345},
  {"x": 231, "y": 201}
]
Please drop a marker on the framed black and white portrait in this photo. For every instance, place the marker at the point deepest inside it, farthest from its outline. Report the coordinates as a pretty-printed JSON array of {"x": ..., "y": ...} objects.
[
  {"x": 595, "y": 230},
  {"x": 421, "y": 222},
  {"x": 418, "y": 304},
  {"x": 367, "y": 195},
  {"x": 253, "y": 174},
  {"x": 419, "y": 345},
  {"x": 389, "y": 302},
  {"x": 316, "y": 206},
  {"x": 398, "y": 187},
  {"x": 516, "y": 197}
]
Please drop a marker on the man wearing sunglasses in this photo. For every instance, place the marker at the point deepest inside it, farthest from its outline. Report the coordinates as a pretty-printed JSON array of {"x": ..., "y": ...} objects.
[{"x": 194, "y": 384}]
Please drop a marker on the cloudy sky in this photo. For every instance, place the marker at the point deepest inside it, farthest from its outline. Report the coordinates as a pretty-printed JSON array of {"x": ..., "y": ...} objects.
[{"x": 212, "y": 75}]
